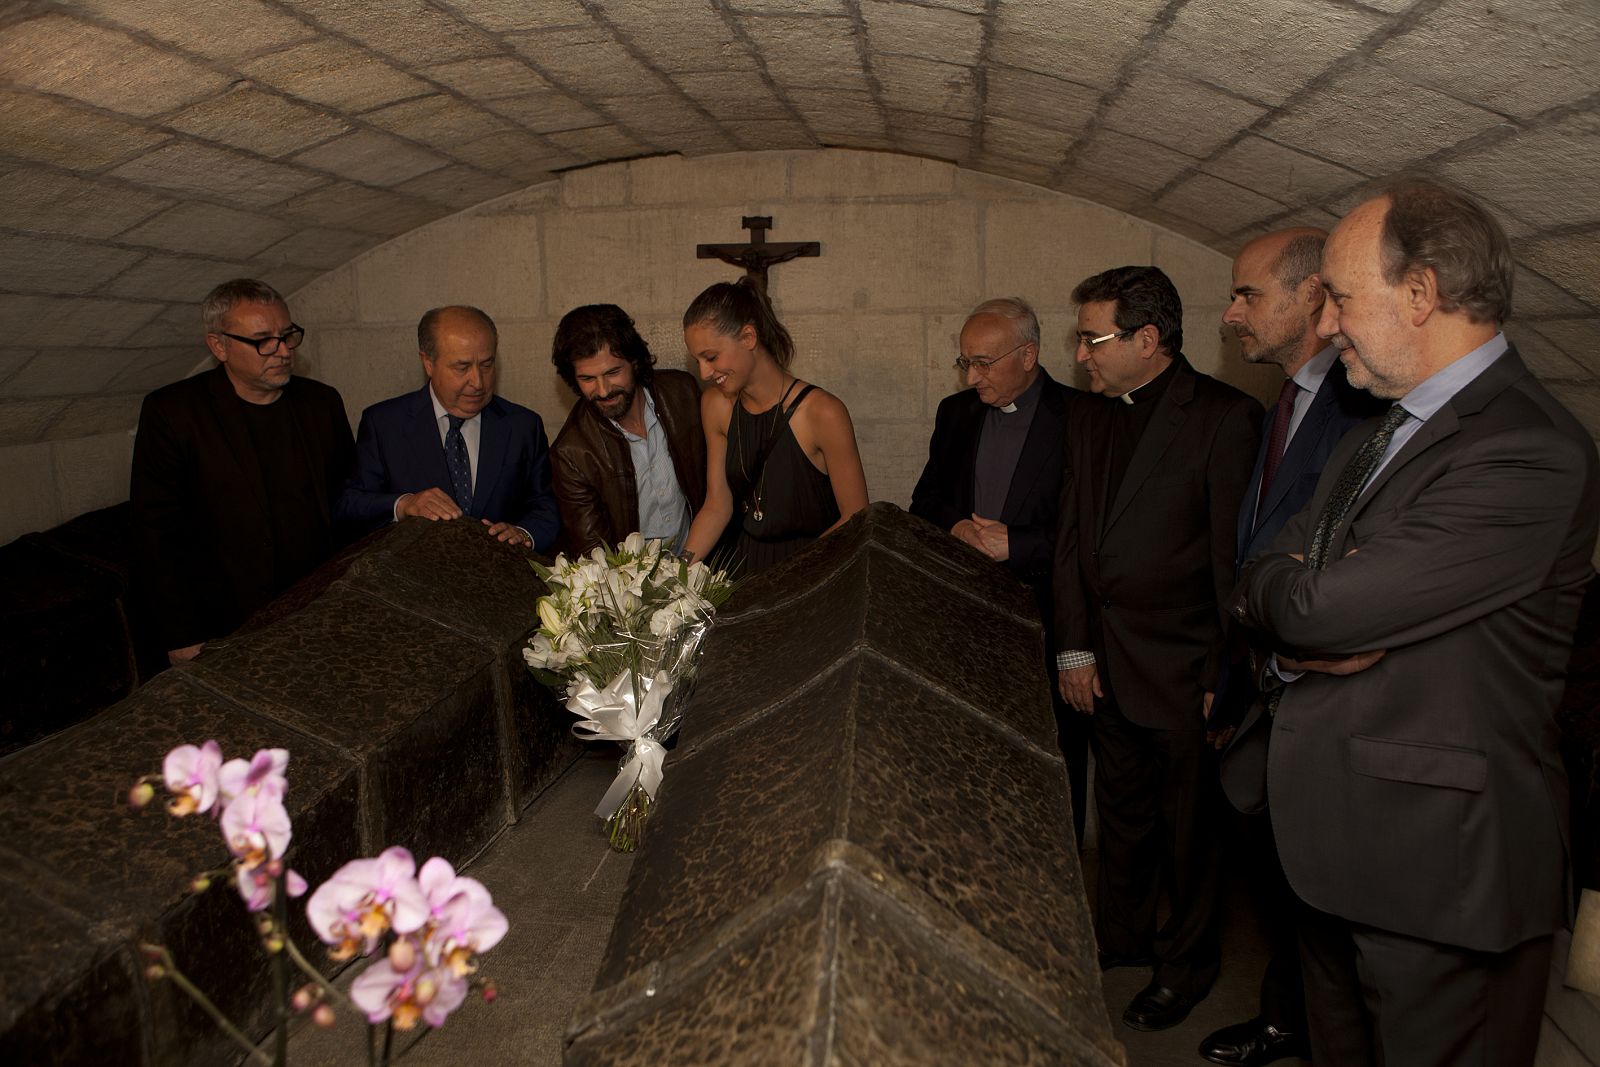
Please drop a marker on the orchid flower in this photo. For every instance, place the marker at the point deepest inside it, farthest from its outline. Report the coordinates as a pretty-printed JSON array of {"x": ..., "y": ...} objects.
[
  {"x": 263, "y": 774},
  {"x": 351, "y": 910},
  {"x": 256, "y": 828},
  {"x": 431, "y": 995},
  {"x": 191, "y": 775},
  {"x": 464, "y": 920}
]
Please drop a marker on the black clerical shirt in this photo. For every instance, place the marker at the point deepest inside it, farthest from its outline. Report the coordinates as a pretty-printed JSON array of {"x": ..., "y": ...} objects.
[
  {"x": 1134, "y": 409},
  {"x": 1000, "y": 447}
]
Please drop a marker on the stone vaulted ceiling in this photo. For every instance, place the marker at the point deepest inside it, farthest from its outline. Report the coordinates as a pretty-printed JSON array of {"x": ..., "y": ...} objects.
[{"x": 149, "y": 148}]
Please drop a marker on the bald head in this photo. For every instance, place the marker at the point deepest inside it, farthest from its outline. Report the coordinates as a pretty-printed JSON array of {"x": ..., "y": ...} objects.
[
  {"x": 458, "y": 346},
  {"x": 1277, "y": 296}
]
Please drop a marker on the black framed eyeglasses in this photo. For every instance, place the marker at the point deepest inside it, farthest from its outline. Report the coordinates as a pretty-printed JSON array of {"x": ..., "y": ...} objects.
[
  {"x": 268, "y": 345},
  {"x": 1092, "y": 343},
  {"x": 963, "y": 364}
]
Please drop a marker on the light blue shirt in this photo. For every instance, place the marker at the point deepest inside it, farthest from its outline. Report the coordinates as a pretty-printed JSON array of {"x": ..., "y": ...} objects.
[
  {"x": 1309, "y": 378},
  {"x": 1435, "y": 391},
  {"x": 663, "y": 509}
]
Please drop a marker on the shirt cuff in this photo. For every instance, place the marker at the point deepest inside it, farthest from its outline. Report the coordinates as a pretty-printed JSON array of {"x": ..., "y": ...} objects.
[
  {"x": 1072, "y": 660},
  {"x": 395, "y": 511},
  {"x": 1283, "y": 673}
]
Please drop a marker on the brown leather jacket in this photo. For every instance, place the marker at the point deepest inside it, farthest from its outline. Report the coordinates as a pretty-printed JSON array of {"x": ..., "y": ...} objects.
[{"x": 593, "y": 468}]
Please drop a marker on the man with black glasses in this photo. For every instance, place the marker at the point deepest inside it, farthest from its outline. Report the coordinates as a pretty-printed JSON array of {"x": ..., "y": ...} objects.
[
  {"x": 993, "y": 475},
  {"x": 1144, "y": 565},
  {"x": 234, "y": 474}
]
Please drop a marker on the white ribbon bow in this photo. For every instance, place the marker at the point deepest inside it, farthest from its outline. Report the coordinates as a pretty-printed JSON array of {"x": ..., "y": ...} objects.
[{"x": 610, "y": 714}]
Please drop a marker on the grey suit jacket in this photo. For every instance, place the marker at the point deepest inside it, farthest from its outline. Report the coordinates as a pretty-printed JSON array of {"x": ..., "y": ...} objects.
[{"x": 1426, "y": 795}]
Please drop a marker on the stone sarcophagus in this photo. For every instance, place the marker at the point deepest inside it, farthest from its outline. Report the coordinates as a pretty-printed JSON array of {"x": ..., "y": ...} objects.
[
  {"x": 863, "y": 852},
  {"x": 395, "y": 679}
]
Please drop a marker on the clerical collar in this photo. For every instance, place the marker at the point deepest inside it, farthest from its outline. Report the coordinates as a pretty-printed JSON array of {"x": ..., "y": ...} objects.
[
  {"x": 1026, "y": 399},
  {"x": 1151, "y": 390}
]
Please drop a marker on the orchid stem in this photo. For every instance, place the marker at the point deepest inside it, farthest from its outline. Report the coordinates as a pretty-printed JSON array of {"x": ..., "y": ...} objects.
[
  {"x": 316, "y": 975},
  {"x": 388, "y": 1040},
  {"x": 180, "y": 980}
]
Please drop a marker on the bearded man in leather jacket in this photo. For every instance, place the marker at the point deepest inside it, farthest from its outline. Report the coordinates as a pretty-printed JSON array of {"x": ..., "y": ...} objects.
[{"x": 631, "y": 455}]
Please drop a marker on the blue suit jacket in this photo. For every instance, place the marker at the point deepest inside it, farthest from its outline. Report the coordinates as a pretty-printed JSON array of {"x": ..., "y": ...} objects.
[{"x": 398, "y": 451}]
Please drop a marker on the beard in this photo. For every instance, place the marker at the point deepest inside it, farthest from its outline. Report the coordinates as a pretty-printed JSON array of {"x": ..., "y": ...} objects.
[{"x": 614, "y": 405}]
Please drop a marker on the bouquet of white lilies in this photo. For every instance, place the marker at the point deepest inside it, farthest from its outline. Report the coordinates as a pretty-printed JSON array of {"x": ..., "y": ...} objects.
[{"x": 619, "y": 633}]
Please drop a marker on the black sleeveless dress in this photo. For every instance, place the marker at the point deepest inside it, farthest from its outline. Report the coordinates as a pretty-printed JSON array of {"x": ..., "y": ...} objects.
[{"x": 782, "y": 505}]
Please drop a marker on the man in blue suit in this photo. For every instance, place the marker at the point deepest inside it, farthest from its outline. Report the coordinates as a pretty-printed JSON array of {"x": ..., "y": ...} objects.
[
  {"x": 1277, "y": 298},
  {"x": 453, "y": 448}
]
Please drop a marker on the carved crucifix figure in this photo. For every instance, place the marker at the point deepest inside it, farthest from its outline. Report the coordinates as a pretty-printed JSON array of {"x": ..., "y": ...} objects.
[{"x": 756, "y": 256}]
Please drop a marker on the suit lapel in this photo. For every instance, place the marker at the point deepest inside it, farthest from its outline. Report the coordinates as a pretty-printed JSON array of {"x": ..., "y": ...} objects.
[
  {"x": 1302, "y": 446},
  {"x": 423, "y": 443},
  {"x": 492, "y": 434},
  {"x": 970, "y": 431},
  {"x": 1165, "y": 422},
  {"x": 1046, "y": 427}
]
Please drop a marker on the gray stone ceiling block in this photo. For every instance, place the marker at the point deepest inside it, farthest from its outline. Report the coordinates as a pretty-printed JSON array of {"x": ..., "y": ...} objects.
[
  {"x": 336, "y": 74},
  {"x": 1141, "y": 164},
  {"x": 88, "y": 416},
  {"x": 324, "y": 247},
  {"x": 946, "y": 89},
  {"x": 147, "y": 368},
  {"x": 548, "y": 111},
  {"x": 174, "y": 324},
  {"x": 1340, "y": 117},
  {"x": 663, "y": 114},
  {"x": 1544, "y": 53},
  {"x": 809, "y": 53},
  {"x": 520, "y": 15},
  {"x": 257, "y": 121},
  {"x": 59, "y": 54},
  {"x": 677, "y": 37},
  {"x": 788, "y": 7},
  {"x": 1011, "y": 143},
  {"x": 1544, "y": 357},
  {"x": 457, "y": 186},
  {"x": 1282, "y": 173},
  {"x": 208, "y": 230},
  {"x": 160, "y": 277},
  {"x": 371, "y": 158},
  {"x": 1264, "y": 53},
  {"x": 1548, "y": 176},
  {"x": 217, "y": 173},
  {"x": 741, "y": 95},
  {"x": 596, "y": 143},
  {"x": 68, "y": 373},
  {"x": 43, "y": 130},
  {"x": 1185, "y": 115},
  {"x": 1535, "y": 295},
  {"x": 11, "y": 360},
  {"x": 48, "y": 265},
  {"x": 588, "y": 61},
  {"x": 441, "y": 121},
  {"x": 1086, "y": 40},
  {"x": 515, "y": 154},
  {"x": 358, "y": 207},
  {"x": 899, "y": 29},
  {"x": 1039, "y": 99},
  {"x": 1569, "y": 261},
  {"x": 410, "y": 31},
  {"x": 51, "y": 202},
  {"x": 24, "y": 421},
  {"x": 488, "y": 79},
  {"x": 773, "y": 135},
  {"x": 1219, "y": 206},
  {"x": 219, "y": 29},
  {"x": 1583, "y": 400},
  {"x": 1573, "y": 335}
]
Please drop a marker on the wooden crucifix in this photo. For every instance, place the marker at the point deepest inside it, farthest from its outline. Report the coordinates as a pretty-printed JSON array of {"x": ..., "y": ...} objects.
[{"x": 756, "y": 256}]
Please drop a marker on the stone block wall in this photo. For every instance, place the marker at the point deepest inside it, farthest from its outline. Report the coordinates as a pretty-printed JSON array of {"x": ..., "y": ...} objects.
[
  {"x": 393, "y": 676},
  {"x": 909, "y": 246},
  {"x": 863, "y": 852}
]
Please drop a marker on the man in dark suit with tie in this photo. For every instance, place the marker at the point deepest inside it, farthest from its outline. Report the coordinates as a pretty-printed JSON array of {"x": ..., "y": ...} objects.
[
  {"x": 1422, "y": 611},
  {"x": 235, "y": 472},
  {"x": 993, "y": 476},
  {"x": 1144, "y": 564},
  {"x": 1277, "y": 300},
  {"x": 453, "y": 448}
]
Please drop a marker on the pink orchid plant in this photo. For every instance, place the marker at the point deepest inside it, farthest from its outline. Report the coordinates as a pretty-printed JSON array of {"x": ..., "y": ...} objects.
[{"x": 434, "y": 921}]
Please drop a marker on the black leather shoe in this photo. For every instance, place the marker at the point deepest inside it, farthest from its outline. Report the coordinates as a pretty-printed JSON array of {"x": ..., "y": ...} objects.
[
  {"x": 1156, "y": 1007},
  {"x": 1111, "y": 960},
  {"x": 1252, "y": 1044}
]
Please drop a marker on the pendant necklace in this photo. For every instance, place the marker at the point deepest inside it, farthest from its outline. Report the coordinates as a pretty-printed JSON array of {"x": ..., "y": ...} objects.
[{"x": 763, "y": 448}]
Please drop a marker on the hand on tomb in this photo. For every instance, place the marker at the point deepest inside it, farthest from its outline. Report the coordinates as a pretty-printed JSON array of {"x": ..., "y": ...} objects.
[
  {"x": 994, "y": 538},
  {"x": 967, "y": 531},
  {"x": 432, "y": 504},
  {"x": 504, "y": 531},
  {"x": 1079, "y": 687},
  {"x": 184, "y": 655}
]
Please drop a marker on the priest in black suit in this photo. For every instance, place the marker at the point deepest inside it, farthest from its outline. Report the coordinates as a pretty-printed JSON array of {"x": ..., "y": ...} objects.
[
  {"x": 1154, "y": 475},
  {"x": 993, "y": 476}
]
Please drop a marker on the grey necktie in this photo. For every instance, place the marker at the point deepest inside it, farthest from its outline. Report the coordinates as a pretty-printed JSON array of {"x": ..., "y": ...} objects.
[
  {"x": 455, "y": 454},
  {"x": 1351, "y": 481}
]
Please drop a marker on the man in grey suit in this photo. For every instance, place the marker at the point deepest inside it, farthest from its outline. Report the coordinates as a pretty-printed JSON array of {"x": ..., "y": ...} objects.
[
  {"x": 1277, "y": 301},
  {"x": 1421, "y": 611}
]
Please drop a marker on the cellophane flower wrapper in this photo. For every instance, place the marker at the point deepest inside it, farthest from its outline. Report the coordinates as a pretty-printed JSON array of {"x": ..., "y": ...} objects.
[{"x": 615, "y": 626}]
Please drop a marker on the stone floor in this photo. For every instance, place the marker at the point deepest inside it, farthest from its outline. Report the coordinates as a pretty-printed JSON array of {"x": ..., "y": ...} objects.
[{"x": 559, "y": 885}]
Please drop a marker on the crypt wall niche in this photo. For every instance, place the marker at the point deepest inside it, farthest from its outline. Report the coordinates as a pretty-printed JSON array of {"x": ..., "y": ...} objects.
[{"x": 909, "y": 246}]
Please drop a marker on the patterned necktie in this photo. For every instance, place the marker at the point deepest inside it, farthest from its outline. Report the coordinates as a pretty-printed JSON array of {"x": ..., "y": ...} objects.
[
  {"x": 1351, "y": 481},
  {"x": 1278, "y": 436},
  {"x": 455, "y": 454}
]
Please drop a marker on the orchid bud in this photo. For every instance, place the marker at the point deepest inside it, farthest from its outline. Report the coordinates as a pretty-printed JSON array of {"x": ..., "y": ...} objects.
[
  {"x": 426, "y": 989},
  {"x": 303, "y": 998},
  {"x": 323, "y": 1015},
  {"x": 141, "y": 794},
  {"x": 490, "y": 992},
  {"x": 402, "y": 955},
  {"x": 155, "y": 972},
  {"x": 273, "y": 944},
  {"x": 201, "y": 883},
  {"x": 274, "y": 869}
]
